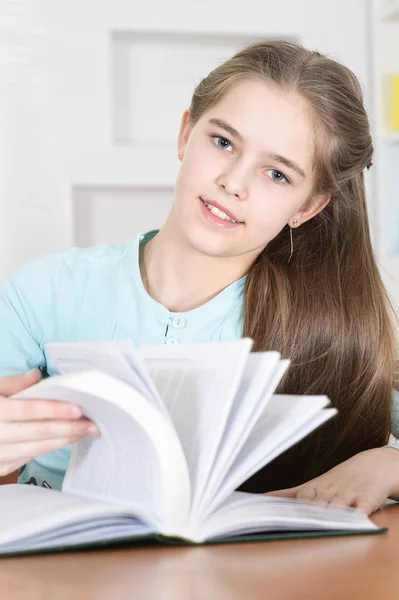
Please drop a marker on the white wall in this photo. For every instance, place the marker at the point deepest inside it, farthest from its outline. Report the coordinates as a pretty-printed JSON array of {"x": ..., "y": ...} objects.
[
  {"x": 82, "y": 159},
  {"x": 386, "y": 61}
]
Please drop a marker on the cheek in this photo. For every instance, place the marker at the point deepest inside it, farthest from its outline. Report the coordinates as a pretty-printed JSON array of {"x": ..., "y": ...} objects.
[
  {"x": 187, "y": 171},
  {"x": 196, "y": 175},
  {"x": 265, "y": 229},
  {"x": 271, "y": 212},
  {"x": 188, "y": 187},
  {"x": 183, "y": 179},
  {"x": 272, "y": 206}
]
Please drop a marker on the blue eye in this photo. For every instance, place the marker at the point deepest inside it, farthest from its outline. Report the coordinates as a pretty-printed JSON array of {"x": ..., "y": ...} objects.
[
  {"x": 277, "y": 176},
  {"x": 221, "y": 142}
]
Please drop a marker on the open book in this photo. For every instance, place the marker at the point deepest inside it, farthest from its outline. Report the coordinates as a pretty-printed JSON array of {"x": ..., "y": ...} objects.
[{"x": 181, "y": 428}]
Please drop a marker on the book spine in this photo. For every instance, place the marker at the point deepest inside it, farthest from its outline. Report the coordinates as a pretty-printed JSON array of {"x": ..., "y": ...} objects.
[{"x": 391, "y": 102}]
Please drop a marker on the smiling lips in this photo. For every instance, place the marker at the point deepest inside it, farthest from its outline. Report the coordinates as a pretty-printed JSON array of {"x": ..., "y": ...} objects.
[{"x": 220, "y": 211}]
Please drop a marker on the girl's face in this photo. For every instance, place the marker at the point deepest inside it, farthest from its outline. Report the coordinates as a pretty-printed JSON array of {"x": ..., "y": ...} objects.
[{"x": 250, "y": 156}]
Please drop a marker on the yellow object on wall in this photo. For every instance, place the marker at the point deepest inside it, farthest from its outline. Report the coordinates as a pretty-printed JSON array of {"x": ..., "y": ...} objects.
[{"x": 391, "y": 102}]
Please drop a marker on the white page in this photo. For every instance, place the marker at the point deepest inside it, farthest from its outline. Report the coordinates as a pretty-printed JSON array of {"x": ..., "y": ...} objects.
[
  {"x": 117, "y": 358},
  {"x": 285, "y": 421},
  {"x": 198, "y": 383},
  {"x": 247, "y": 513},
  {"x": 259, "y": 457},
  {"x": 137, "y": 459},
  {"x": 89, "y": 531},
  {"x": 263, "y": 373},
  {"x": 90, "y": 535},
  {"x": 34, "y": 513}
]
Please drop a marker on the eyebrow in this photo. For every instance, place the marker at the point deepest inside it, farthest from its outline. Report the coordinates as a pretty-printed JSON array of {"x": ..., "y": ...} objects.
[{"x": 277, "y": 157}]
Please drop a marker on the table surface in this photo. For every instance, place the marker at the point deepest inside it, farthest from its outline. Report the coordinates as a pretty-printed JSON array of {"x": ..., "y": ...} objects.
[{"x": 365, "y": 567}]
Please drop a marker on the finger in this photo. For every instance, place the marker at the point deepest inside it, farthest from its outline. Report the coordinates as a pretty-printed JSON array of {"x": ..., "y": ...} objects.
[
  {"x": 366, "y": 505},
  {"x": 16, "y": 409},
  {"x": 12, "y": 384},
  {"x": 341, "y": 499},
  {"x": 16, "y": 453},
  {"x": 323, "y": 496},
  {"x": 7, "y": 468},
  {"x": 287, "y": 493},
  {"x": 21, "y": 431},
  {"x": 306, "y": 493}
]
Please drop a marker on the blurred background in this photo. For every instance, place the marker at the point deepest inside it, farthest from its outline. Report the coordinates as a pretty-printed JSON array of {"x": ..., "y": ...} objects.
[{"x": 92, "y": 91}]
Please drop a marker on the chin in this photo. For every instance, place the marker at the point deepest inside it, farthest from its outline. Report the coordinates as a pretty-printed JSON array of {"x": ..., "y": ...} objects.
[
  {"x": 210, "y": 241},
  {"x": 210, "y": 245}
]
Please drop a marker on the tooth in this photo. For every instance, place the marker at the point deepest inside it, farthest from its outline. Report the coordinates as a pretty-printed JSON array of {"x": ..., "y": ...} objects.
[{"x": 219, "y": 213}]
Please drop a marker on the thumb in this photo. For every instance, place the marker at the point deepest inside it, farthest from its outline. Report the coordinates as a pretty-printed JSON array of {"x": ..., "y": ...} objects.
[
  {"x": 12, "y": 384},
  {"x": 287, "y": 493}
]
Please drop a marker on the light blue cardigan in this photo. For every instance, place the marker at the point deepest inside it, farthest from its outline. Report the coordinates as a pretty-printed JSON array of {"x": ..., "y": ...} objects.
[{"x": 97, "y": 294}]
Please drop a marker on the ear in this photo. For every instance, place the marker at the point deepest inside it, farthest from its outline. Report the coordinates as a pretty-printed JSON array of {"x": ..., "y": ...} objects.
[
  {"x": 310, "y": 209},
  {"x": 184, "y": 134}
]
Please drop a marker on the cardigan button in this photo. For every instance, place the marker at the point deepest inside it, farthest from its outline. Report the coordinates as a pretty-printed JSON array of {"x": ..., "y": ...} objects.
[
  {"x": 178, "y": 322},
  {"x": 171, "y": 340}
]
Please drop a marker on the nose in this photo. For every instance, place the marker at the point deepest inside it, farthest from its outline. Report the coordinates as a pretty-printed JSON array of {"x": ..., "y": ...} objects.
[{"x": 233, "y": 183}]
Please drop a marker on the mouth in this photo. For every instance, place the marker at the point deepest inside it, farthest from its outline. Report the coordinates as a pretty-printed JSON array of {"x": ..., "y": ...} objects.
[{"x": 221, "y": 212}]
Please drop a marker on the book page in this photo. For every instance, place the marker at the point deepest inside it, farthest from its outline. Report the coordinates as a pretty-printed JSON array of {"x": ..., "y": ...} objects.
[
  {"x": 117, "y": 358},
  {"x": 34, "y": 518},
  {"x": 244, "y": 513},
  {"x": 198, "y": 383},
  {"x": 137, "y": 459},
  {"x": 285, "y": 421},
  {"x": 262, "y": 375}
]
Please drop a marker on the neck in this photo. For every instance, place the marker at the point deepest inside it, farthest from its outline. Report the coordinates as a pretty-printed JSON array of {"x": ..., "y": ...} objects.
[{"x": 181, "y": 277}]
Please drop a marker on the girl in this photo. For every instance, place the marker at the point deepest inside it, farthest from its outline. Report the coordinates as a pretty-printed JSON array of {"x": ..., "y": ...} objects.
[{"x": 268, "y": 237}]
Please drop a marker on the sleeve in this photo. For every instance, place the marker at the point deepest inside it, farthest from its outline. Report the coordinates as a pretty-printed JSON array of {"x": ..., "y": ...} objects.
[{"x": 25, "y": 312}]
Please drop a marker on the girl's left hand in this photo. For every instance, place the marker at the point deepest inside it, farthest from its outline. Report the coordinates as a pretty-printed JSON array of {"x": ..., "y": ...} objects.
[{"x": 365, "y": 481}]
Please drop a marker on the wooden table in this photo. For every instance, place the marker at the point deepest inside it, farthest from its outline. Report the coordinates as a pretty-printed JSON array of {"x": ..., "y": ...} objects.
[{"x": 364, "y": 567}]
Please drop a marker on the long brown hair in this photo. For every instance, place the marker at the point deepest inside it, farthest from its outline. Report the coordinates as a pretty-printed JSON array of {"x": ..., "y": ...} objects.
[{"x": 326, "y": 309}]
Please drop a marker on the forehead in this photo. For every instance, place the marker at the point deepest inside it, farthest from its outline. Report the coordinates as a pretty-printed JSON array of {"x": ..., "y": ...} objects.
[{"x": 269, "y": 119}]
